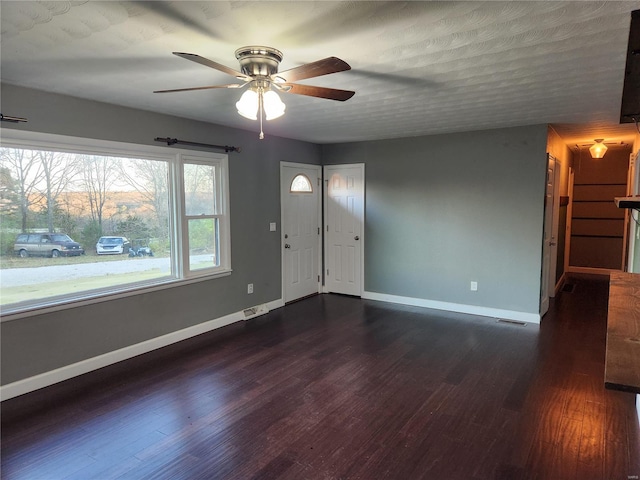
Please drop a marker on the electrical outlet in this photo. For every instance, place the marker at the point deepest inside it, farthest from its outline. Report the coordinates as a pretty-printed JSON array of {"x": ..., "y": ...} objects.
[
  {"x": 474, "y": 286},
  {"x": 250, "y": 288}
]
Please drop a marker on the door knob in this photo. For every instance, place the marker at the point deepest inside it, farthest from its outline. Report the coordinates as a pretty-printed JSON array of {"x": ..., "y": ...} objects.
[
  {"x": 356, "y": 237},
  {"x": 286, "y": 245}
]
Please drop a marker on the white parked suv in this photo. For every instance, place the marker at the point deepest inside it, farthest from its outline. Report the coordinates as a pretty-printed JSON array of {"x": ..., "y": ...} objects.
[{"x": 112, "y": 245}]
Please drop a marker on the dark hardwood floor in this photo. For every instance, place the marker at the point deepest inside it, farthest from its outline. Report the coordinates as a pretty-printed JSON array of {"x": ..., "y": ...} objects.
[{"x": 334, "y": 387}]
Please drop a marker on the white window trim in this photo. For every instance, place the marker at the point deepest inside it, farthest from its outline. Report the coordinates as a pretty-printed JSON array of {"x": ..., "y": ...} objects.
[
  {"x": 174, "y": 156},
  {"x": 222, "y": 214}
]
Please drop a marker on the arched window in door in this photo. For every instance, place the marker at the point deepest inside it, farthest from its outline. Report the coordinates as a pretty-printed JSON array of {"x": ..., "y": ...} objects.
[{"x": 301, "y": 184}]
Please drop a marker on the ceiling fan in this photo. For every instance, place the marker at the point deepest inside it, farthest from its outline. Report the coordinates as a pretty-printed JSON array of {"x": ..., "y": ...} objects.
[{"x": 259, "y": 71}]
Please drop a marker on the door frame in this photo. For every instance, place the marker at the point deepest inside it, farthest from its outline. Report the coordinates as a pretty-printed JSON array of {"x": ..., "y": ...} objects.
[
  {"x": 325, "y": 199},
  {"x": 547, "y": 235},
  {"x": 285, "y": 189},
  {"x": 630, "y": 226},
  {"x": 553, "y": 268},
  {"x": 567, "y": 259}
]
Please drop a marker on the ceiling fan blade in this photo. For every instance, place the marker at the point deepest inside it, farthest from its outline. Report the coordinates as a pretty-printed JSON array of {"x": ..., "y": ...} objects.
[
  {"x": 211, "y": 64},
  {"x": 314, "y": 69},
  {"x": 320, "y": 92},
  {"x": 232, "y": 85}
]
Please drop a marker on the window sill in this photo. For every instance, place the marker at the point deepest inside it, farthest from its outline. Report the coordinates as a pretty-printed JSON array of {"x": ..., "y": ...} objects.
[{"x": 87, "y": 298}]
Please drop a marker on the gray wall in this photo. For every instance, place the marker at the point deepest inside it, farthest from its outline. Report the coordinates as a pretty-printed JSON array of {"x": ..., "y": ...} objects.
[
  {"x": 34, "y": 345},
  {"x": 444, "y": 210},
  {"x": 440, "y": 211}
]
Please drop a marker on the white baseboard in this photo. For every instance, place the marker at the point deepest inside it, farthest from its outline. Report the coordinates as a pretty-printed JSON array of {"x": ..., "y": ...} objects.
[
  {"x": 456, "y": 307},
  {"x": 85, "y": 366}
]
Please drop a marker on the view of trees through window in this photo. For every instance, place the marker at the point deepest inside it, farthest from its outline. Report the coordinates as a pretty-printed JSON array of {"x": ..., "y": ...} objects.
[{"x": 87, "y": 197}]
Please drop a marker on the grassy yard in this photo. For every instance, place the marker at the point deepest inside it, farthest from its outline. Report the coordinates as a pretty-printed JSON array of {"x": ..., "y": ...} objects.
[
  {"x": 51, "y": 289},
  {"x": 46, "y": 288}
]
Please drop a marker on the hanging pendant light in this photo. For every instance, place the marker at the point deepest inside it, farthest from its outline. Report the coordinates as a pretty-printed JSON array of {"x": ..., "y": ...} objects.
[{"x": 598, "y": 149}]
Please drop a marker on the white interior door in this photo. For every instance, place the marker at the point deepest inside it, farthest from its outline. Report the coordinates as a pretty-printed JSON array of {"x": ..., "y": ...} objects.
[
  {"x": 344, "y": 229},
  {"x": 549, "y": 241},
  {"x": 300, "y": 236},
  {"x": 555, "y": 225}
]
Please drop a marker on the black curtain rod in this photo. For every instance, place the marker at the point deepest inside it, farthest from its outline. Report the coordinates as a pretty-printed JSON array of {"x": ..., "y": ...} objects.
[
  {"x": 174, "y": 141},
  {"x": 7, "y": 118}
]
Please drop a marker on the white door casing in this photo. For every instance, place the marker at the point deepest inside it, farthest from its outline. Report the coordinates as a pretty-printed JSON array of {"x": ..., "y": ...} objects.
[
  {"x": 300, "y": 233},
  {"x": 344, "y": 229},
  {"x": 555, "y": 225},
  {"x": 630, "y": 226}
]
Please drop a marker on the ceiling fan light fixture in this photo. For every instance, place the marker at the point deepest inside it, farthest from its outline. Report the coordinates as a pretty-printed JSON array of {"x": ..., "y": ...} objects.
[
  {"x": 273, "y": 106},
  {"x": 259, "y": 69},
  {"x": 598, "y": 149},
  {"x": 248, "y": 105}
]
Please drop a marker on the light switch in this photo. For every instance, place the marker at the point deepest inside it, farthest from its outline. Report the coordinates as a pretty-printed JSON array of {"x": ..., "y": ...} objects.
[{"x": 272, "y": 227}]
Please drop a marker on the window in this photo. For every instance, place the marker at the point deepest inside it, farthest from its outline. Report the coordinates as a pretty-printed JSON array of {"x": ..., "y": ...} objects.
[
  {"x": 203, "y": 213},
  {"x": 301, "y": 184},
  {"x": 83, "y": 219}
]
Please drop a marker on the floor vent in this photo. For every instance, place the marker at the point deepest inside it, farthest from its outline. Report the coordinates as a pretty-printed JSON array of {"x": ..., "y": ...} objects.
[
  {"x": 255, "y": 311},
  {"x": 568, "y": 287},
  {"x": 512, "y": 322}
]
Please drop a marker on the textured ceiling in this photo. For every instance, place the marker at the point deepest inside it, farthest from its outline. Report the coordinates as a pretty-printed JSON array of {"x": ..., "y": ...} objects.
[{"x": 418, "y": 67}]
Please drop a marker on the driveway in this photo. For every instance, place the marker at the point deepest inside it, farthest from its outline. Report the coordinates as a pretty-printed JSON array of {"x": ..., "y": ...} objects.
[{"x": 18, "y": 277}]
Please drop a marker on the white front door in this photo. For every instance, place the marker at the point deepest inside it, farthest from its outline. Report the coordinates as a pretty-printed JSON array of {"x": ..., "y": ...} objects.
[
  {"x": 300, "y": 236},
  {"x": 344, "y": 229}
]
